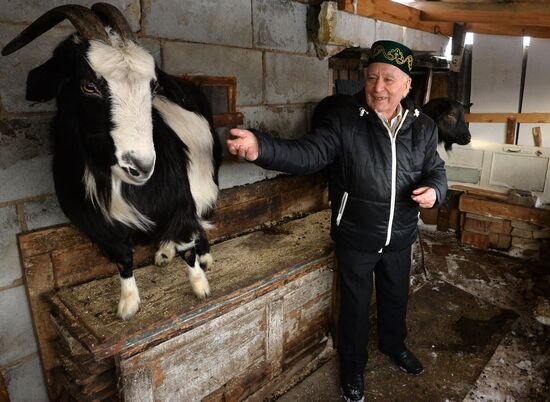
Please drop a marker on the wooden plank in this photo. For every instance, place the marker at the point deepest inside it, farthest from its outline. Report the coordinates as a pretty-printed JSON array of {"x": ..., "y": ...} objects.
[
  {"x": 503, "y": 117},
  {"x": 228, "y": 119},
  {"x": 4, "y": 397},
  {"x": 472, "y": 204},
  {"x": 524, "y": 14},
  {"x": 537, "y": 137},
  {"x": 508, "y": 30},
  {"x": 395, "y": 13},
  {"x": 495, "y": 194},
  {"x": 511, "y": 124}
]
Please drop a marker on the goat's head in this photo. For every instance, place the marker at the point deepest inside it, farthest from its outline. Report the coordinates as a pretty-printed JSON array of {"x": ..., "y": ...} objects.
[
  {"x": 449, "y": 116},
  {"x": 104, "y": 83}
]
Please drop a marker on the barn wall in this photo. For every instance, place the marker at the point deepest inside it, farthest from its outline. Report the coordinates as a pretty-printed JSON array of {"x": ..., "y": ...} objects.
[{"x": 263, "y": 43}]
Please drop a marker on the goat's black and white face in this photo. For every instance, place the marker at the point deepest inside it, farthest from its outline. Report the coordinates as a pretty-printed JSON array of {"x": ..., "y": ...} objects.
[{"x": 124, "y": 82}]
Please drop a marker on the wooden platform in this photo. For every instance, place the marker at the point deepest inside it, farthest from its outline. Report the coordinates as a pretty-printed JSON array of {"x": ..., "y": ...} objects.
[
  {"x": 269, "y": 314},
  {"x": 58, "y": 257}
]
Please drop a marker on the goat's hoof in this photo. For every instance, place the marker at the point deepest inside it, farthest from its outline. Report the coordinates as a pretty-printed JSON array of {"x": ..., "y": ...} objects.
[
  {"x": 199, "y": 283},
  {"x": 206, "y": 261},
  {"x": 128, "y": 307}
]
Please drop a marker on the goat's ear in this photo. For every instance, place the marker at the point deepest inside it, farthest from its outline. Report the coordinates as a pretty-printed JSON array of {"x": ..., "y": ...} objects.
[{"x": 44, "y": 82}]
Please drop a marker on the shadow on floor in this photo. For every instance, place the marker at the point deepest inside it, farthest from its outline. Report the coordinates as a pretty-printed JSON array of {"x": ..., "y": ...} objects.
[{"x": 471, "y": 324}]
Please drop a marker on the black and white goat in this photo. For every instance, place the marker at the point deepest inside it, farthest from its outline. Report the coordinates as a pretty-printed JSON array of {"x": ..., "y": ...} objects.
[{"x": 135, "y": 157}]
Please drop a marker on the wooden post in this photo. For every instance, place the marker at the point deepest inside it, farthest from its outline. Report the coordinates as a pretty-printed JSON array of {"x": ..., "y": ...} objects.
[
  {"x": 511, "y": 123},
  {"x": 537, "y": 136},
  {"x": 4, "y": 397}
]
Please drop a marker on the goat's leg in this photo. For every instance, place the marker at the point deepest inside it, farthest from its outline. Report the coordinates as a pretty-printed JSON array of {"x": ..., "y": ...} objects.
[
  {"x": 165, "y": 253},
  {"x": 203, "y": 251},
  {"x": 121, "y": 254},
  {"x": 197, "y": 277}
]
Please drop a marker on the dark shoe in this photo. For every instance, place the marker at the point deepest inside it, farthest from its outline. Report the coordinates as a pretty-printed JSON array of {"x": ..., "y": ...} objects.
[
  {"x": 407, "y": 362},
  {"x": 353, "y": 387}
]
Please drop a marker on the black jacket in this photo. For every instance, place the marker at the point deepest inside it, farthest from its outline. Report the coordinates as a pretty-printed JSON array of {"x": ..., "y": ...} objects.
[{"x": 371, "y": 176}]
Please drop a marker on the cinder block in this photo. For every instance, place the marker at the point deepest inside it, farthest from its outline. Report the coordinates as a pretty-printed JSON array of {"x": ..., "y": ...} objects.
[
  {"x": 424, "y": 41},
  {"x": 295, "y": 79},
  {"x": 478, "y": 240},
  {"x": 218, "y": 22},
  {"x": 341, "y": 28},
  {"x": 25, "y": 381},
  {"x": 237, "y": 174},
  {"x": 10, "y": 268},
  {"x": 523, "y": 233},
  {"x": 525, "y": 225},
  {"x": 153, "y": 46},
  {"x": 282, "y": 122},
  {"x": 23, "y": 138},
  {"x": 44, "y": 213},
  {"x": 499, "y": 241},
  {"x": 28, "y": 11},
  {"x": 280, "y": 25},
  {"x": 388, "y": 31},
  {"x": 525, "y": 243},
  {"x": 16, "y": 333},
  {"x": 542, "y": 234},
  {"x": 26, "y": 178},
  {"x": 245, "y": 65},
  {"x": 15, "y": 67}
]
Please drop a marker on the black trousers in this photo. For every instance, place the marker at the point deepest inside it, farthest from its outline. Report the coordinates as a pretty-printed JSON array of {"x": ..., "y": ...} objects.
[{"x": 391, "y": 271}]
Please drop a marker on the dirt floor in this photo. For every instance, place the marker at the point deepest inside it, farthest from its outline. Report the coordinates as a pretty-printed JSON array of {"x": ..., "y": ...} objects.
[{"x": 470, "y": 322}]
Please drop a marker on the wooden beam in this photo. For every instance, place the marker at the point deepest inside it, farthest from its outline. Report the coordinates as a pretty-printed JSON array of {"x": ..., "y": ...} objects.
[
  {"x": 524, "y": 14},
  {"x": 503, "y": 117},
  {"x": 395, "y": 13},
  {"x": 511, "y": 124},
  {"x": 509, "y": 30}
]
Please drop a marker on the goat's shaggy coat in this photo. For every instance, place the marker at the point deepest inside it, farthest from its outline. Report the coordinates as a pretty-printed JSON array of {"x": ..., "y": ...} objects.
[{"x": 135, "y": 155}]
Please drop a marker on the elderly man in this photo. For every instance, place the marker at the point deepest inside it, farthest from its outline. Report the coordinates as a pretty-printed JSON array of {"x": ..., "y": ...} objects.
[{"x": 383, "y": 164}]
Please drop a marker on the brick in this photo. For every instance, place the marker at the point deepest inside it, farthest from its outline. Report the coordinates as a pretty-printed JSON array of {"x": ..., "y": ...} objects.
[
  {"x": 476, "y": 225},
  {"x": 478, "y": 240},
  {"x": 44, "y": 213},
  {"x": 282, "y": 122},
  {"x": 23, "y": 138},
  {"x": 295, "y": 79},
  {"x": 280, "y": 25},
  {"x": 25, "y": 381},
  {"x": 244, "y": 64},
  {"x": 26, "y": 178},
  {"x": 10, "y": 268},
  {"x": 523, "y": 233},
  {"x": 501, "y": 226},
  {"x": 499, "y": 241},
  {"x": 217, "y": 22},
  {"x": 16, "y": 333}
]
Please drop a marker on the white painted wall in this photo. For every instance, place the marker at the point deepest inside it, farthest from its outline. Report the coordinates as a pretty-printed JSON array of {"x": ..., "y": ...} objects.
[
  {"x": 536, "y": 95},
  {"x": 496, "y": 76}
]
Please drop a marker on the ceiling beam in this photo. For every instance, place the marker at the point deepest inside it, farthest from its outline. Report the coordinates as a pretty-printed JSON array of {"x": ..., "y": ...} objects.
[
  {"x": 509, "y": 30},
  {"x": 395, "y": 13},
  {"x": 526, "y": 14}
]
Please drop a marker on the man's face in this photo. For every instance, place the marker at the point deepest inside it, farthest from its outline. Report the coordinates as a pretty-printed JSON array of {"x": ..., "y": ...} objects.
[{"x": 386, "y": 86}]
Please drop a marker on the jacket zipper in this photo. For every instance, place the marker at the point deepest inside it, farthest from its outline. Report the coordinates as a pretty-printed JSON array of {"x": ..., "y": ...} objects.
[
  {"x": 341, "y": 209},
  {"x": 393, "y": 176}
]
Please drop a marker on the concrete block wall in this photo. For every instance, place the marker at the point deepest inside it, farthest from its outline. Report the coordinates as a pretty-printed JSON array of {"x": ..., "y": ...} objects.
[{"x": 263, "y": 43}]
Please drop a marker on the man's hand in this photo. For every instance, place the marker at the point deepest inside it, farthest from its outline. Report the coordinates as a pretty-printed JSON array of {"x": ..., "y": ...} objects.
[
  {"x": 245, "y": 144},
  {"x": 424, "y": 196}
]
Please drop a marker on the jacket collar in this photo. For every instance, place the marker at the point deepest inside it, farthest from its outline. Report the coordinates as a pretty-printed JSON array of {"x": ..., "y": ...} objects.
[{"x": 370, "y": 114}]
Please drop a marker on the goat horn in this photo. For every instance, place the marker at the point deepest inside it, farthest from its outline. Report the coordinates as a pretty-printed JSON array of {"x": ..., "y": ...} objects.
[
  {"x": 110, "y": 15},
  {"x": 86, "y": 23}
]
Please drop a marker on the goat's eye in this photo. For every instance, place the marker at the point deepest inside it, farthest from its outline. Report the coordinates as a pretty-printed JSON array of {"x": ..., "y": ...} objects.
[{"x": 89, "y": 88}]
